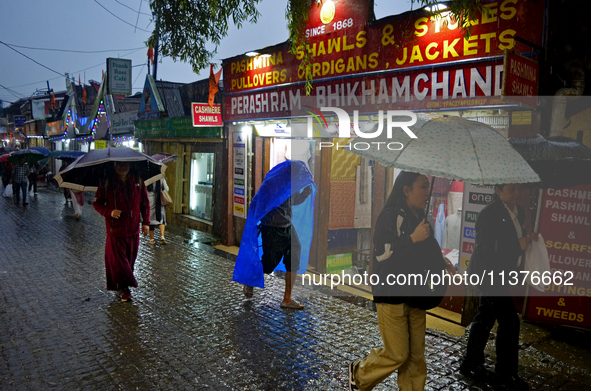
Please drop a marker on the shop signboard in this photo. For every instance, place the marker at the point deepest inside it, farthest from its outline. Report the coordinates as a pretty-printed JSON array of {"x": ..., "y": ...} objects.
[
  {"x": 455, "y": 87},
  {"x": 19, "y": 120},
  {"x": 123, "y": 122},
  {"x": 100, "y": 144},
  {"x": 475, "y": 199},
  {"x": 54, "y": 128},
  {"x": 239, "y": 141},
  {"x": 118, "y": 76},
  {"x": 348, "y": 46},
  {"x": 205, "y": 115},
  {"x": 565, "y": 225},
  {"x": 337, "y": 262},
  {"x": 520, "y": 80}
]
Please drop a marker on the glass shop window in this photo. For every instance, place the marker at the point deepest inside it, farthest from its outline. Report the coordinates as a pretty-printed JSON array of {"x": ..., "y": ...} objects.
[{"x": 202, "y": 181}]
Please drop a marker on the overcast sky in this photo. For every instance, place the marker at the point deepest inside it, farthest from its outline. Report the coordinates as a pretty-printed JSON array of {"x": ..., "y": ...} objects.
[{"x": 93, "y": 25}]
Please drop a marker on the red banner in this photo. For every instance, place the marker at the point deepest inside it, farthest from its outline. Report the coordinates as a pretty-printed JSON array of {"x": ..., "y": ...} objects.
[
  {"x": 520, "y": 84},
  {"x": 393, "y": 43},
  {"x": 205, "y": 115},
  {"x": 451, "y": 88},
  {"x": 565, "y": 224}
]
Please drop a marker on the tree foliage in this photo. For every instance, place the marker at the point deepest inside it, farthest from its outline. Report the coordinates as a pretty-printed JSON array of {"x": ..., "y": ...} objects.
[
  {"x": 186, "y": 27},
  {"x": 463, "y": 11}
]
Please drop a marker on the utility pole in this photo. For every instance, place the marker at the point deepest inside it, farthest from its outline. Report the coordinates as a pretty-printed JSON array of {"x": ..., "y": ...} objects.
[{"x": 157, "y": 44}]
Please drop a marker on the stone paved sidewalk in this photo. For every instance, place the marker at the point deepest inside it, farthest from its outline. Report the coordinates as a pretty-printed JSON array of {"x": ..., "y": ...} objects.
[{"x": 189, "y": 326}]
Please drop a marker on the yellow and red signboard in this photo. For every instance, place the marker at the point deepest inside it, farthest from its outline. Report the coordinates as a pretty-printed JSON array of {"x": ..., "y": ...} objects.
[{"x": 395, "y": 43}]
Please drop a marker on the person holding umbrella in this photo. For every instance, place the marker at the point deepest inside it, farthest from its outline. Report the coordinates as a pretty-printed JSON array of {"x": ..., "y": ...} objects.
[
  {"x": 123, "y": 200},
  {"x": 403, "y": 244},
  {"x": 500, "y": 242}
]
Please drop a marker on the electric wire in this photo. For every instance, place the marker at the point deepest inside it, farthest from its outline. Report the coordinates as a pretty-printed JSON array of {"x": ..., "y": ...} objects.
[
  {"x": 102, "y": 6},
  {"x": 126, "y": 6},
  {"x": 36, "y": 62},
  {"x": 12, "y": 92},
  {"x": 72, "y": 51},
  {"x": 81, "y": 70}
]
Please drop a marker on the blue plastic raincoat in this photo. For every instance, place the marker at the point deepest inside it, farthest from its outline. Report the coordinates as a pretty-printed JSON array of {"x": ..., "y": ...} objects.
[{"x": 284, "y": 180}]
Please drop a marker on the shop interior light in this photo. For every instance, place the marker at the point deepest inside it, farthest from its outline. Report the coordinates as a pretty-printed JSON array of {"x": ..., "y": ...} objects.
[
  {"x": 252, "y": 54},
  {"x": 436, "y": 7},
  {"x": 266, "y": 55},
  {"x": 246, "y": 129}
]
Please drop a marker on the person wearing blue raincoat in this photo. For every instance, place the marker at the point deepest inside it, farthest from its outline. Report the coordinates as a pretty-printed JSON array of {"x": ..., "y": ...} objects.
[{"x": 285, "y": 200}]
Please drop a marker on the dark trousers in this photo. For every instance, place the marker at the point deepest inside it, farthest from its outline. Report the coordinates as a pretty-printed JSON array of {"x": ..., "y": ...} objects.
[
  {"x": 33, "y": 182},
  {"x": 17, "y": 187},
  {"x": 502, "y": 310},
  {"x": 280, "y": 243}
]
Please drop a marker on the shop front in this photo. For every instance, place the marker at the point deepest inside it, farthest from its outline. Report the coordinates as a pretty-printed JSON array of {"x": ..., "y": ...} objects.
[
  {"x": 369, "y": 69},
  {"x": 195, "y": 177}
]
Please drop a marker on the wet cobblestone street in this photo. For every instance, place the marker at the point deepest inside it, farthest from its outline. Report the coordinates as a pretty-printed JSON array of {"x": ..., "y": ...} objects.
[{"x": 188, "y": 326}]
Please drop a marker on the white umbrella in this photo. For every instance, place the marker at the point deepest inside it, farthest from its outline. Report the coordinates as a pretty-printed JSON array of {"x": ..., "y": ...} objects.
[{"x": 452, "y": 148}]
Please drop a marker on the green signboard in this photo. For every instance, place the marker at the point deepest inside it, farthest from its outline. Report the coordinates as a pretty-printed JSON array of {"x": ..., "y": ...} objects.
[
  {"x": 337, "y": 262},
  {"x": 176, "y": 127}
]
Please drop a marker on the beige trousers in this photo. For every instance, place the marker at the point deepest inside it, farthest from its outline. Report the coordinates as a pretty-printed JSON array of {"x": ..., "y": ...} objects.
[{"x": 403, "y": 332}]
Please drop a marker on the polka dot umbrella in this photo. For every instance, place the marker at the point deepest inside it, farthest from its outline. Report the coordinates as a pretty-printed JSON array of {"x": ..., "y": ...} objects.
[{"x": 449, "y": 147}]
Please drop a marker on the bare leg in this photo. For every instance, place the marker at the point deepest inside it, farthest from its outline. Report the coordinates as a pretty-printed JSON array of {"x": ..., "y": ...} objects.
[
  {"x": 162, "y": 239},
  {"x": 289, "y": 283}
]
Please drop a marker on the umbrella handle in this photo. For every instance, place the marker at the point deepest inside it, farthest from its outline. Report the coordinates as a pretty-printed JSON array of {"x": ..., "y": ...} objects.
[{"x": 430, "y": 195}]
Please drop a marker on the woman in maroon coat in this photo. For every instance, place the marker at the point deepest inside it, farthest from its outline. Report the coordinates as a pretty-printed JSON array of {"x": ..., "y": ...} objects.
[{"x": 122, "y": 199}]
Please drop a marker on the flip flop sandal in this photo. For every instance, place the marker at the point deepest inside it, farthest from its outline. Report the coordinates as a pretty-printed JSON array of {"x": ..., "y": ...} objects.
[
  {"x": 163, "y": 241},
  {"x": 293, "y": 305},
  {"x": 151, "y": 241}
]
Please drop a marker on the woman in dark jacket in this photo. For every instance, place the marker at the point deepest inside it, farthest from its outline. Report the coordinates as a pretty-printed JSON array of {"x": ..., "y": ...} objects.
[
  {"x": 500, "y": 242},
  {"x": 401, "y": 234}
]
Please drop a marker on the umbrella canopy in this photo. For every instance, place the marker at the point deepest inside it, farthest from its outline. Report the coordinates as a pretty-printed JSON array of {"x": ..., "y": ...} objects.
[
  {"x": 7, "y": 149},
  {"x": 30, "y": 155},
  {"x": 4, "y": 158},
  {"x": 86, "y": 172},
  {"x": 164, "y": 157},
  {"x": 559, "y": 161},
  {"x": 66, "y": 155},
  {"x": 43, "y": 150},
  {"x": 452, "y": 148}
]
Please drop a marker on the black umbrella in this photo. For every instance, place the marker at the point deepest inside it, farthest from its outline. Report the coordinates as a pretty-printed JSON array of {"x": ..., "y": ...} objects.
[
  {"x": 43, "y": 150},
  {"x": 559, "y": 161},
  {"x": 86, "y": 172},
  {"x": 7, "y": 149},
  {"x": 30, "y": 155},
  {"x": 66, "y": 155},
  {"x": 164, "y": 157}
]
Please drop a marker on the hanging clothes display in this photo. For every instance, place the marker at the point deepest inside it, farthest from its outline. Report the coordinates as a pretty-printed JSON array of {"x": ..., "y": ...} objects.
[{"x": 451, "y": 234}]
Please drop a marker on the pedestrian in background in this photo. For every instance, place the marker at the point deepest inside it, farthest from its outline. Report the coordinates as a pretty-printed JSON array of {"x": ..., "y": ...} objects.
[
  {"x": 77, "y": 202},
  {"x": 67, "y": 194},
  {"x": 6, "y": 171},
  {"x": 402, "y": 241},
  {"x": 499, "y": 247},
  {"x": 19, "y": 181},
  {"x": 122, "y": 199},
  {"x": 33, "y": 177},
  {"x": 157, "y": 210}
]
